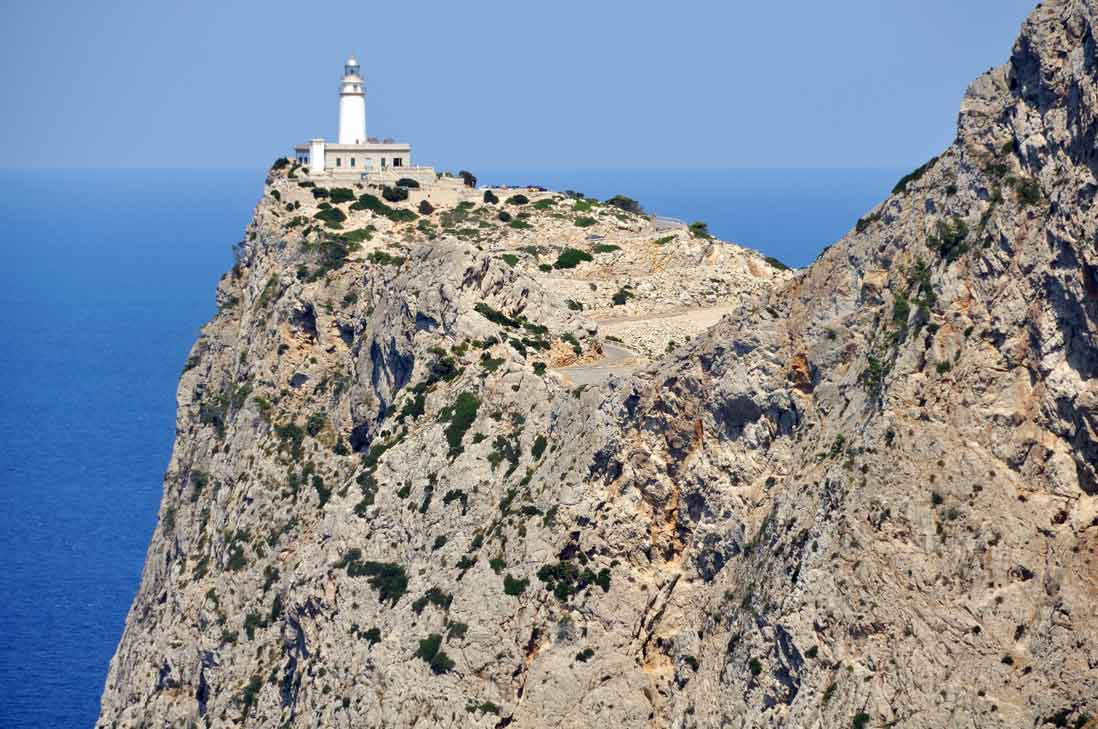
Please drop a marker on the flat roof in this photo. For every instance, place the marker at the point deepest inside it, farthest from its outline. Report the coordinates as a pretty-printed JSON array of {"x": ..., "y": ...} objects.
[{"x": 368, "y": 147}]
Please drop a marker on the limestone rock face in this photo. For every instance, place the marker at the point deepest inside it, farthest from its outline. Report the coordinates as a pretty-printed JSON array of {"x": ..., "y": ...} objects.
[{"x": 865, "y": 497}]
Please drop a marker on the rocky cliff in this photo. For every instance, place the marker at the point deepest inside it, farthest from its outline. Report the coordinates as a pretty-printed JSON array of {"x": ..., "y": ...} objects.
[{"x": 438, "y": 466}]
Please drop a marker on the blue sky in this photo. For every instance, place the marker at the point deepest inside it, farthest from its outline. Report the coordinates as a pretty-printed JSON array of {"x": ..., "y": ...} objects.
[{"x": 615, "y": 83}]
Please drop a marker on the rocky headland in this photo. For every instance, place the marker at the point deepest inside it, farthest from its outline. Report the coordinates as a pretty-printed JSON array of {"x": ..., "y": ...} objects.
[{"x": 519, "y": 458}]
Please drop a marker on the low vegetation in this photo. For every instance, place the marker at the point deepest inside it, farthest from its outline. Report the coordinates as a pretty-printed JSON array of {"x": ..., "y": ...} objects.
[{"x": 572, "y": 257}]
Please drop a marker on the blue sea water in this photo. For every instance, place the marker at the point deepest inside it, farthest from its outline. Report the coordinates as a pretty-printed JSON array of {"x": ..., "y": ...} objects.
[{"x": 105, "y": 279}]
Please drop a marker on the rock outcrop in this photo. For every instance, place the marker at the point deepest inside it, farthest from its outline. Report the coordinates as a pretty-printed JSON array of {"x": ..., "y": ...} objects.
[{"x": 865, "y": 497}]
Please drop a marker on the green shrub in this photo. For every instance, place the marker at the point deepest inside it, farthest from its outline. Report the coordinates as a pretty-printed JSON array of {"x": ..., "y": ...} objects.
[
  {"x": 291, "y": 436},
  {"x": 864, "y": 223},
  {"x": 407, "y": 182},
  {"x": 510, "y": 259},
  {"x": 604, "y": 248},
  {"x": 664, "y": 240},
  {"x": 463, "y": 415},
  {"x": 315, "y": 424},
  {"x": 495, "y": 316},
  {"x": 623, "y": 295},
  {"x": 425, "y": 208},
  {"x": 322, "y": 491},
  {"x": 754, "y": 666},
  {"x": 504, "y": 216},
  {"x": 565, "y": 579},
  {"x": 585, "y": 222},
  {"x": 700, "y": 229},
  {"x": 572, "y": 257},
  {"x": 359, "y": 234},
  {"x": 382, "y": 258},
  {"x": 776, "y": 263},
  {"x": 331, "y": 216},
  {"x": 280, "y": 163},
  {"x": 949, "y": 237},
  {"x": 585, "y": 655},
  {"x": 320, "y": 193},
  {"x": 517, "y": 199},
  {"x": 372, "y": 636},
  {"x": 914, "y": 176},
  {"x": 394, "y": 194},
  {"x": 539, "y": 446},
  {"x": 627, "y": 204},
  {"x": 544, "y": 204},
  {"x": 520, "y": 224},
  {"x": 341, "y": 195},
  {"x": 901, "y": 309},
  {"x": 374, "y": 205},
  {"x": 514, "y": 587},
  {"x": 490, "y": 197},
  {"x": 861, "y": 721},
  {"x": 468, "y": 178}
]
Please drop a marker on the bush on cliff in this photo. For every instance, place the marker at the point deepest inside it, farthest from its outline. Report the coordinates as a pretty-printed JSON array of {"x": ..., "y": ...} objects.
[
  {"x": 341, "y": 195},
  {"x": 468, "y": 178},
  {"x": 407, "y": 182},
  {"x": 627, "y": 204},
  {"x": 425, "y": 208},
  {"x": 374, "y": 205},
  {"x": 699, "y": 229},
  {"x": 394, "y": 194},
  {"x": 461, "y": 417},
  {"x": 572, "y": 257},
  {"x": 490, "y": 197}
]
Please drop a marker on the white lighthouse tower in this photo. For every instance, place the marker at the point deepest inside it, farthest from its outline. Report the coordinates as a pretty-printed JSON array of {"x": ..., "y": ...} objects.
[
  {"x": 352, "y": 105},
  {"x": 354, "y": 156}
]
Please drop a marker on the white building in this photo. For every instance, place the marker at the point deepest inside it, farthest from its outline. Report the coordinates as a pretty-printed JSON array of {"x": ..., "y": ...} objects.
[{"x": 355, "y": 154}]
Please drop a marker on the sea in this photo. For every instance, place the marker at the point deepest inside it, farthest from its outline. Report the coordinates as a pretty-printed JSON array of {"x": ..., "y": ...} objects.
[{"x": 106, "y": 277}]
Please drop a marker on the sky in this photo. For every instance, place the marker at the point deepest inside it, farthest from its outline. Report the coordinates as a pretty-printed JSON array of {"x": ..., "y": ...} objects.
[{"x": 613, "y": 83}]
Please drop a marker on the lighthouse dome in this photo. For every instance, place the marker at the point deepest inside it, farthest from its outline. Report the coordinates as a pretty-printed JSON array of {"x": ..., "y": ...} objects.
[{"x": 351, "y": 67}]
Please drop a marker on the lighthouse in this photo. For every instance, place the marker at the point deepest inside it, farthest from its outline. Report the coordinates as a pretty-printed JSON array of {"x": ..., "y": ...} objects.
[
  {"x": 352, "y": 105},
  {"x": 354, "y": 157}
]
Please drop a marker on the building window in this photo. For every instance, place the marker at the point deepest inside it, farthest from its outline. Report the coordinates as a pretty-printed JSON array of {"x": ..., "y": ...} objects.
[
  {"x": 396, "y": 162},
  {"x": 352, "y": 161},
  {"x": 339, "y": 161}
]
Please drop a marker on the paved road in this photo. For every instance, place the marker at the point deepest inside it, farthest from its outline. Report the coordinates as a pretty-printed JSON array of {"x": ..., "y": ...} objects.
[{"x": 617, "y": 361}]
